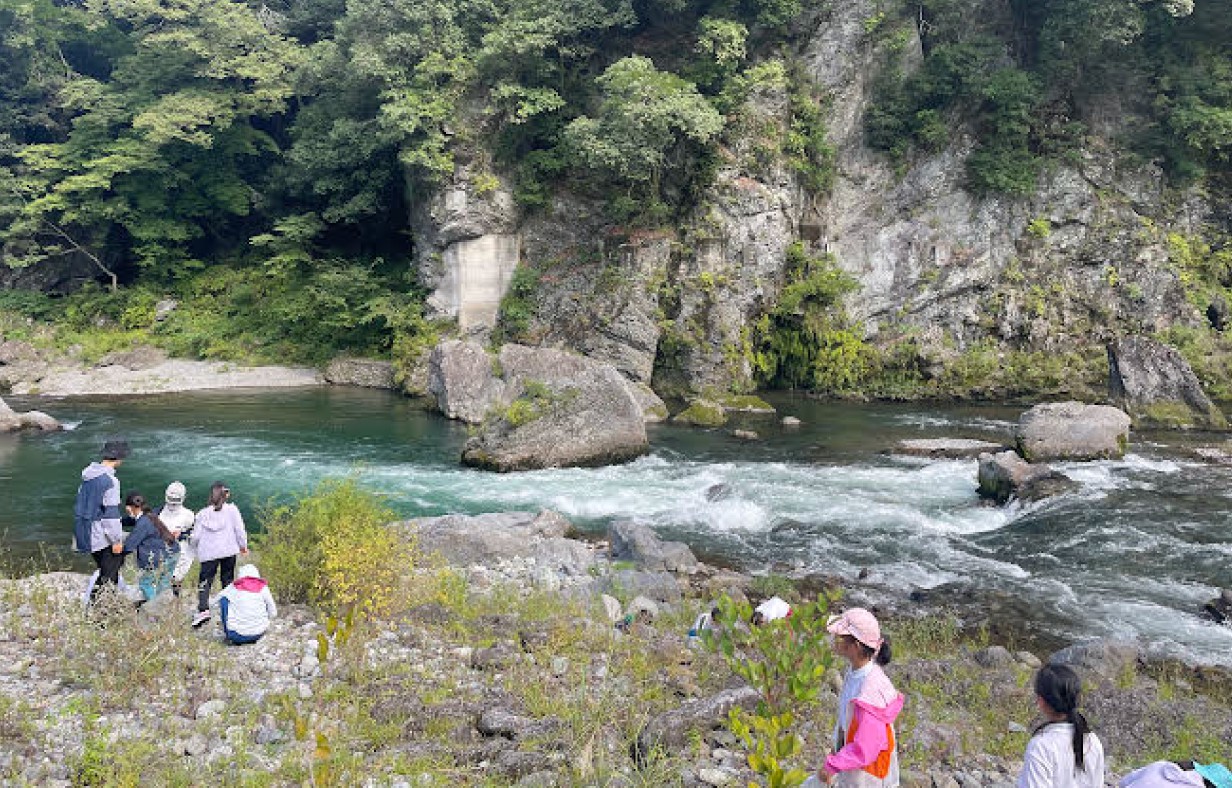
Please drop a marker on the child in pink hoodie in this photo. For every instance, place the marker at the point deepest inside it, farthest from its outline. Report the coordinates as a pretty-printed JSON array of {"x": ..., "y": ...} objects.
[
  {"x": 246, "y": 607},
  {"x": 865, "y": 752}
]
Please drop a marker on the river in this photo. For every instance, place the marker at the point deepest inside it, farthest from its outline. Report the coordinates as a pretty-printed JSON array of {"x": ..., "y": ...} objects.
[{"x": 1133, "y": 553}]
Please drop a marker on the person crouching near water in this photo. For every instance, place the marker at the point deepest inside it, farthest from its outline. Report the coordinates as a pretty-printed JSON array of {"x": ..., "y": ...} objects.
[
  {"x": 179, "y": 519},
  {"x": 245, "y": 607},
  {"x": 151, "y": 543},
  {"x": 865, "y": 750},
  {"x": 1063, "y": 752},
  {"x": 218, "y": 537}
]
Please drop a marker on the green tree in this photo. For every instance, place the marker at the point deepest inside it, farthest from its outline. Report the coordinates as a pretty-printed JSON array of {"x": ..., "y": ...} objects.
[
  {"x": 645, "y": 114},
  {"x": 167, "y": 148}
]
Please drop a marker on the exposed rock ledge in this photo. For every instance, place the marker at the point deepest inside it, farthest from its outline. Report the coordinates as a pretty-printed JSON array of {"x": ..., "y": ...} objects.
[
  {"x": 164, "y": 377},
  {"x": 12, "y": 421}
]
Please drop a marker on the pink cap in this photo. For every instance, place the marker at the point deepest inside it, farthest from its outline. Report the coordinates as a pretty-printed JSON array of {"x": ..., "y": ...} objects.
[{"x": 860, "y": 624}]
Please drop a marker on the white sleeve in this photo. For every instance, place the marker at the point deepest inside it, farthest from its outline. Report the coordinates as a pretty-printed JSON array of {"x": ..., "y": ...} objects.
[
  {"x": 241, "y": 533},
  {"x": 1037, "y": 767},
  {"x": 270, "y": 607}
]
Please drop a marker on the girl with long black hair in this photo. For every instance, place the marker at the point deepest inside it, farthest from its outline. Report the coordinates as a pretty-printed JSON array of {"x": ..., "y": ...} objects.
[
  {"x": 1063, "y": 752},
  {"x": 218, "y": 537}
]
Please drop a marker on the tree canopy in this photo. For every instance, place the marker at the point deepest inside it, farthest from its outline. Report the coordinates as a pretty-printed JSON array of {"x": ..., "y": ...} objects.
[{"x": 285, "y": 139}]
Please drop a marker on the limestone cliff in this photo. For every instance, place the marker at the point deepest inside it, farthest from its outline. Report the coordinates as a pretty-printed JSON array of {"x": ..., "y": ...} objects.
[{"x": 1082, "y": 260}]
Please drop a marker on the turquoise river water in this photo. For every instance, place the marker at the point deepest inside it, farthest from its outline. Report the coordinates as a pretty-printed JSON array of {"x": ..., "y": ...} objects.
[{"x": 1133, "y": 553}]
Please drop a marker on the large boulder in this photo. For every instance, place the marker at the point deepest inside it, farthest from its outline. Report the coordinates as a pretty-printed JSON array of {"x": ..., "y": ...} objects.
[
  {"x": 12, "y": 421},
  {"x": 564, "y": 410},
  {"x": 463, "y": 381},
  {"x": 672, "y": 730},
  {"x": 1105, "y": 657},
  {"x": 1219, "y": 609},
  {"x": 468, "y": 383},
  {"x": 1156, "y": 386},
  {"x": 366, "y": 372},
  {"x": 1005, "y": 476},
  {"x": 489, "y": 539},
  {"x": 1072, "y": 431},
  {"x": 635, "y": 542}
]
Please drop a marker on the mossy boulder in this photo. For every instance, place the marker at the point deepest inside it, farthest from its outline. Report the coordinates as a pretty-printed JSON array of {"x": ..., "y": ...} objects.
[
  {"x": 1005, "y": 476},
  {"x": 745, "y": 403},
  {"x": 702, "y": 413},
  {"x": 559, "y": 410},
  {"x": 1155, "y": 385}
]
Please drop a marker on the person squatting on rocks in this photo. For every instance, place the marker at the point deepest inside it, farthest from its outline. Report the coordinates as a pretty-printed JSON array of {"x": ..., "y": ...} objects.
[
  {"x": 865, "y": 748},
  {"x": 772, "y": 609},
  {"x": 218, "y": 537},
  {"x": 96, "y": 526},
  {"x": 1063, "y": 752},
  {"x": 1176, "y": 774},
  {"x": 179, "y": 519},
  {"x": 245, "y": 607},
  {"x": 151, "y": 542},
  {"x": 707, "y": 621}
]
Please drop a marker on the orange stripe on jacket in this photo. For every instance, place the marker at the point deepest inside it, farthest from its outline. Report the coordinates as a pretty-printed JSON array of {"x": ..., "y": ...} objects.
[{"x": 880, "y": 767}]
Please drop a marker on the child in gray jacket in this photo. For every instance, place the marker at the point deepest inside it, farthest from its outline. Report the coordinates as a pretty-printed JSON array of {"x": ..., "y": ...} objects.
[{"x": 218, "y": 538}]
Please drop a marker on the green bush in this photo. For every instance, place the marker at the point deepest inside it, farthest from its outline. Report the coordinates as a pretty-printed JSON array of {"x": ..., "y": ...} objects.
[
  {"x": 805, "y": 340},
  {"x": 333, "y": 549},
  {"x": 517, "y": 308},
  {"x": 27, "y": 303},
  {"x": 784, "y": 661}
]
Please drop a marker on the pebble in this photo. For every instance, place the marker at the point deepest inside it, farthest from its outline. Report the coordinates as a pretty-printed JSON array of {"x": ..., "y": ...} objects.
[
  {"x": 267, "y": 731},
  {"x": 196, "y": 746},
  {"x": 305, "y": 690},
  {"x": 210, "y": 708},
  {"x": 309, "y": 666},
  {"x": 1028, "y": 659},
  {"x": 712, "y": 776}
]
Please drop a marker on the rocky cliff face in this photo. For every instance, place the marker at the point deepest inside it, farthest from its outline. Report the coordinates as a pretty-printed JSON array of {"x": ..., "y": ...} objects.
[
  {"x": 1084, "y": 259},
  {"x": 1085, "y": 256}
]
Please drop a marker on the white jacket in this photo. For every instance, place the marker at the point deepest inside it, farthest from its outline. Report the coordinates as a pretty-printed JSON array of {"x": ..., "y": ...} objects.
[
  {"x": 1049, "y": 760},
  {"x": 250, "y": 606}
]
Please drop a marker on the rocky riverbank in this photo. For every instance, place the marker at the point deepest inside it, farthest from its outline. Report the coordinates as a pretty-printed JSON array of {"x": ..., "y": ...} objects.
[
  {"x": 142, "y": 370},
  {"x": 505, "y": 669}
]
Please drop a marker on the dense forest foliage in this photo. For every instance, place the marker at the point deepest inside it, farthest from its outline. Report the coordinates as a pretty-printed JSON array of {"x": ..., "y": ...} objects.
[{"x": 241, "y": 154}]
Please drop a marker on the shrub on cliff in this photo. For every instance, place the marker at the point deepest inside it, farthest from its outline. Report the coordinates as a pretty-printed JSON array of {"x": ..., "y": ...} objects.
[{"x": 332, "y": 549}]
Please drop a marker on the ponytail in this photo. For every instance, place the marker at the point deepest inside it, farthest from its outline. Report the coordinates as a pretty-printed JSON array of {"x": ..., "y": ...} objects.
[
  {"x": 1081, "y": 729},
  {"x": 881, "y": 655},
  {"x": 218, "y": 495},
  {"x": 163, "y": 530},
  {"x": 884, "y": 654}
]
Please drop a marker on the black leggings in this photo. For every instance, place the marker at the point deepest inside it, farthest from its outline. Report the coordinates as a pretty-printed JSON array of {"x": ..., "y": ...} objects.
[
  {"x": 109, "y": 564},
  {"x": 225, "y": 567}
]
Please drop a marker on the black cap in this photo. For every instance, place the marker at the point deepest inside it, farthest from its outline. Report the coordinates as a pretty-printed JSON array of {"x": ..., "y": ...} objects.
[{"x": 115, "y": 449}]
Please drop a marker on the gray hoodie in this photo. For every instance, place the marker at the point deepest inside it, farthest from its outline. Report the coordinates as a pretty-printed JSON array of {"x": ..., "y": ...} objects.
[
  {"x": 104, "y": 531},
  {"x": 219, "y": 533}
]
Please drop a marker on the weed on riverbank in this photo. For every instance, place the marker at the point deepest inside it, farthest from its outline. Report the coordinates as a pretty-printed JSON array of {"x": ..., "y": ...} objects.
[{"x": 488, "y": 679}]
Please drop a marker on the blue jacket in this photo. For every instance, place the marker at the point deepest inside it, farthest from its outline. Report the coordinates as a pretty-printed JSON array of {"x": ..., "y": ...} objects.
[
  {"x": 96, "y": 522},
  {"x": 147, "y": 543}
]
